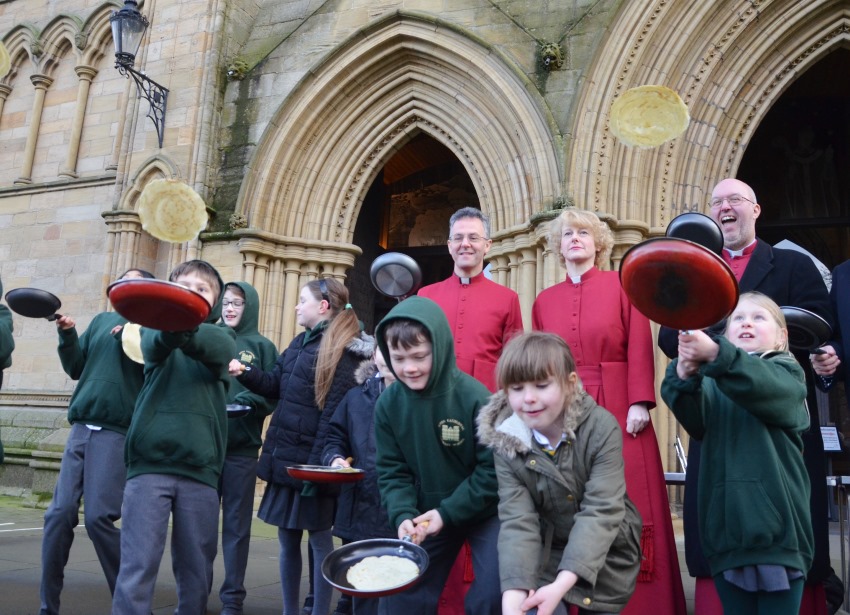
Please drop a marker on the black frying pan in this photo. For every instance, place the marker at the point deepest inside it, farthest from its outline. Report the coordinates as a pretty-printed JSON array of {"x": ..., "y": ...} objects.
[
  {"x": 395, "y": 275},
  {"x": 698, "y": 228},
  {"x": 34, "y": 303},
  {"x": 336, "y": 564},
  {"x": 806, "y": 330}
]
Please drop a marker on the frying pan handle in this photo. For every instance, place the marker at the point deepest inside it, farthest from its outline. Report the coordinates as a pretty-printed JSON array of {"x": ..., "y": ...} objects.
[
  {"x": 817, "y": 351},
  {"x": 53, "y": 317}
]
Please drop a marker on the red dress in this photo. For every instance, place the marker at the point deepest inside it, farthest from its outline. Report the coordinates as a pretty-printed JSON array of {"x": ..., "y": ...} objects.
[{"x": 612, "y": 345}]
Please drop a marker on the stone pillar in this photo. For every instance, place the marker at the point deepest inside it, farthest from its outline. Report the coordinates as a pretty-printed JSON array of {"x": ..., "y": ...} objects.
[
  {"x": 5, "y": 90},
  {"x": 527, "y": 290},
  {"x": 41, "y": 83},
  {"x": 86, "y": 75},
  {"x": 291, "y": 288}
]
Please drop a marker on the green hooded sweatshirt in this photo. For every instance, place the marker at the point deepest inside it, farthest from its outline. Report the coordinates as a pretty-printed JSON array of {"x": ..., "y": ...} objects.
[
  {"x": 108, "y": 381},
  {"x": 428, "y": 453},
  {"x": 244, "y": 434},
  {"x": 180, "y": 422}
]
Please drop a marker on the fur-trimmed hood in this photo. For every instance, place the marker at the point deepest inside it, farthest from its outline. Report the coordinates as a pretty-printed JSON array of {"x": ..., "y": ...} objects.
[
  {"x": 505, "y": 433},
  {"x": 363, "y": 345},
  {"x": 367, "y": 369}
]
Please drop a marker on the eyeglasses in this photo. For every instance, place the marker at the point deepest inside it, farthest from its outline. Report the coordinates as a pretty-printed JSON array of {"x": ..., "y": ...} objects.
[
  {"x": 473, "y": 239},
  {"x": 234, "y": 303},
  {"x": 734, "y": 200}
]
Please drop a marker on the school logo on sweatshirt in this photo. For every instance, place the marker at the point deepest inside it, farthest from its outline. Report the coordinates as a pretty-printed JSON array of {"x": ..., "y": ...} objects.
[
  {"x": 451, "y": 432},
  {"x": 247, "y": 357}
]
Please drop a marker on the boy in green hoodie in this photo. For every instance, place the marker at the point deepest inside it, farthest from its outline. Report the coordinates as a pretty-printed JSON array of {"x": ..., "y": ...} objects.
[
  {"x": 99, "y": 413},
  {"x": 437, "y": 481},
  {"x": 240, "y": 312},
  {"x": 174, "y": 454}
]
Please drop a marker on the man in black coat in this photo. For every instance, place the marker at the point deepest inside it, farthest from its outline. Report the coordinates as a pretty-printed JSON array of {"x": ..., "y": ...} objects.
[{"x": 789, "y": 278}]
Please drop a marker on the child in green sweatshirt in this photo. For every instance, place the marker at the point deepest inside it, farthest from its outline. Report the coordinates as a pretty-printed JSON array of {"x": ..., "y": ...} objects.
[{"x": 174, "y": 455}]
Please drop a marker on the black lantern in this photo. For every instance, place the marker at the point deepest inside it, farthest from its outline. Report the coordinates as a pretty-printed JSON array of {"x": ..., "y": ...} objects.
[{"x": 128, "y": 27}]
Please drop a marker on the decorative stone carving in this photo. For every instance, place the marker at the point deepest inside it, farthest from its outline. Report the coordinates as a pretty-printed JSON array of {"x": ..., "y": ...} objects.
[
  {"x": 551, "y": 57},
  {"x": 237, "y": 70}
]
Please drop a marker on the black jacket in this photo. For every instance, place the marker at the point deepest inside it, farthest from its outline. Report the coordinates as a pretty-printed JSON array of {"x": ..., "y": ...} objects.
[
  {"x": 296, "y": 432},
  {"x": 359, "y": 513}
]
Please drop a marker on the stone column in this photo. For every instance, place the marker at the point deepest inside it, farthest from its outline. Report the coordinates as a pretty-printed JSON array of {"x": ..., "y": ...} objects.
[
  {"x": 527, "y": 290},
  {"x": 5, "y": 90},
  {"x": 291, "y": 288},
  {"x": 86, "y": 75},
  {"x": 41, "y": 83}
]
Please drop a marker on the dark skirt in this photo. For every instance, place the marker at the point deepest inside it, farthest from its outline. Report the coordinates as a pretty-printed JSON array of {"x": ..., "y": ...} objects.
[{"x": 288, "y": 509}]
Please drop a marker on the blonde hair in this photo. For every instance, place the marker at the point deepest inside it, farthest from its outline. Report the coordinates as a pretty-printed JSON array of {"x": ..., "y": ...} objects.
[
  {"x": 536, "y": 356},
  {"x": 583, "y": 219},
  {"x": 772, "y": 308},
  {"x": 342, "y": 328}
]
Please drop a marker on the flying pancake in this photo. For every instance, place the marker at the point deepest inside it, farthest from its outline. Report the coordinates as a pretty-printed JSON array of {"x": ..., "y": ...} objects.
[
  {"x": 648, "y": 116},
  {"x": 131, "y": 342},
  {"x": 171, "y": 211}
]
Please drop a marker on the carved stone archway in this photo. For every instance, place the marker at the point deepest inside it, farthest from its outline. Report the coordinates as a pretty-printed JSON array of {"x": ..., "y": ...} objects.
[
  {"x": 729, "y": 60},
  {"x": 402, "y": 75}
]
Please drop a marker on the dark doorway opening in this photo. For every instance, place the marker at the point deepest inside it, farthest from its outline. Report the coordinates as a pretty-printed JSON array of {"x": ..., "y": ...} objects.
[
  {"x": 798, "y": 161},
  {"x": 407, "y": 209}
]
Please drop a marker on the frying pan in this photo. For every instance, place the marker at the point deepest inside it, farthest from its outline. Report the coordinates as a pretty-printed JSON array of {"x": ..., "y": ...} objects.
[
  {"x": 325, "y": 474},
  {"x": 806, "y": 330},
  {"x": 34, "y": 303},
  {"x": 395, "y": 275},
  {"x": 158, "y": 304},
  {"x": 678, "y": 283},
  {"x": 698, "y": 228},
  {"x": 335, "y": 566},
  {"x": 234, "y": 411}
]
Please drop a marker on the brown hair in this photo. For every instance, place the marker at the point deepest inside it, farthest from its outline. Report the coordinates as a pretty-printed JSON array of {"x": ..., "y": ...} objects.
[
  {"x": 203, "y": 270},
  {"x": 580, "y": 218},
  {"x": 536, "y": 356},
  {"x": 342, "y": 328},
  {"x": 405, "y": 333}
]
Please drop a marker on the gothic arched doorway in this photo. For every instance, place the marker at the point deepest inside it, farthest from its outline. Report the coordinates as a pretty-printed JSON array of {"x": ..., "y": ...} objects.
[
  {"x": 795, "y": 158},
  {"x": 407, "y": 210}
]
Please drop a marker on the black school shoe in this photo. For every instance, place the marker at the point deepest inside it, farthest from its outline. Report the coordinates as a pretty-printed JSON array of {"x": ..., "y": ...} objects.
[
  {"x": 343, "y": 606},
  {"x": 308, "y": 605}
]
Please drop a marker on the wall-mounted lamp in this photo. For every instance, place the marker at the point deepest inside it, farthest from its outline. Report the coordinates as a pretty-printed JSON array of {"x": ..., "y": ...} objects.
[{"x": 128, "y": 27}]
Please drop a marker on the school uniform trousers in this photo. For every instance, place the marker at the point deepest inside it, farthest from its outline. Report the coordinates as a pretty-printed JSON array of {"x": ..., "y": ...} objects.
[
  {"x": 92, "y": 469},
  {"x": 149, "y": 499},
  {"x": 238, "y": 479},
  {"x": 484, "y": 596}
]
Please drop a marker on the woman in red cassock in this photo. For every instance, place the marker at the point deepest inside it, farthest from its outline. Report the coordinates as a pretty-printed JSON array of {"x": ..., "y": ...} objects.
[{"x": 613, "y": 349}]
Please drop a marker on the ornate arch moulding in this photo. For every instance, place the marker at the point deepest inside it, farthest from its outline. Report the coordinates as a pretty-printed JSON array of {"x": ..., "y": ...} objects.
[
  {"x": 729, "y": 84},
  {"x": 404, "y": 74}
]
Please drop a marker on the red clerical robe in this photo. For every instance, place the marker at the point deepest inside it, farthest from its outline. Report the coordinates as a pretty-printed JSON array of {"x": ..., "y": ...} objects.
[
  {"x": 483, "y": 315},
  {"x": 612, "y": 345}
]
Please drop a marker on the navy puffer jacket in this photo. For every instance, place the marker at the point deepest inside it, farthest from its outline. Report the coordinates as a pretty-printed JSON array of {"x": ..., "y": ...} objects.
[{"x": 296, "y": 432}]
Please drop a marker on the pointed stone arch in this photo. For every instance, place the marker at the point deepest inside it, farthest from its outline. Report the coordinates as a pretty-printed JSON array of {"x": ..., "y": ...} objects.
[
  {"x": 402, "y": 75},
  {"x": 731, "y": 62},
  {"x": 405, "y": 74}
]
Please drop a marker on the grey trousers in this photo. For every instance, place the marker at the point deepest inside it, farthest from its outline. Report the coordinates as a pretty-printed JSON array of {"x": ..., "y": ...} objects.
[
  {"x": 92, "y": 469},
  {"x": 238, "y": 479},
  {"x": 149, "y": 500}
]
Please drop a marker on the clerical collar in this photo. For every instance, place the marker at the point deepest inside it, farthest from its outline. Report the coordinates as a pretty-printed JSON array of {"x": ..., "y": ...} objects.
[
  {"x": 743, "y": 251},
  {"x": 467, "y": 281},
  {"x": 575, "y": 279}
]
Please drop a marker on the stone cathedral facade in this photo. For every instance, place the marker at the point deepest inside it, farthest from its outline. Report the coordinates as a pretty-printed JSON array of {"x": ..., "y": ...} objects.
[{"x": 323, "y": 132}]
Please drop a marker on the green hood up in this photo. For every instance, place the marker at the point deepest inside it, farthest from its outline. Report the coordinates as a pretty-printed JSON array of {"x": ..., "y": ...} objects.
[
  {"x": 430, "y": 316},
  {"x": 250, "y": 321}
]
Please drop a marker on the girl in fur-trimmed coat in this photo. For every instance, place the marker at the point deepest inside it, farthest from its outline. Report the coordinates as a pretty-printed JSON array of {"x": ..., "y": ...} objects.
[{"x": 559, "y": 463}]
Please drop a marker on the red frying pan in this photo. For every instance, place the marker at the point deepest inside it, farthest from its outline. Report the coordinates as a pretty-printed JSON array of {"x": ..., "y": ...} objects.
[
  {"x": 34, "y": 303},
  {"x": 678, "y": 283},
  {"x": 158, "y": 304}
]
